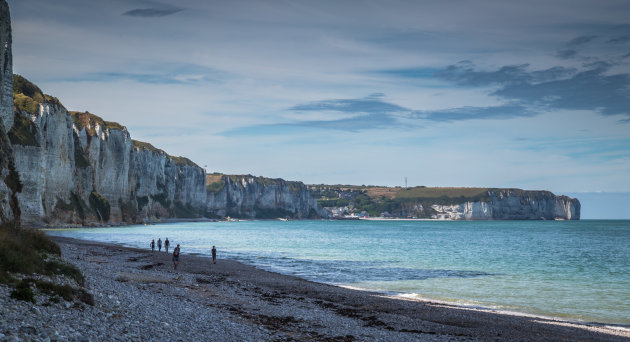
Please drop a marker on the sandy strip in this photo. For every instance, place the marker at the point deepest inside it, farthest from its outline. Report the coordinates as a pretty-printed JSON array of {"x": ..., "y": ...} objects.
[{"x": 233, "y": 301}]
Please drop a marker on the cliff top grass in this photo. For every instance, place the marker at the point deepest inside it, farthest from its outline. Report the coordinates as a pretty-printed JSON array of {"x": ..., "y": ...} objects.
[
  {"x": 179, "y": 160},
  {"x": 176, "y": 159},
  {"x": 428, "y": 193},
  {"x": 89, "y": 120},
  {"x": 27, "y": 96},
  {"x": 147, "y": 146},
  {"x": 423, "y": 192}
]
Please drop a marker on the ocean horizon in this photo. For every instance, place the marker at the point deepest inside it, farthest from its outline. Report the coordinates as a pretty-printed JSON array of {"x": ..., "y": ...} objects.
[{"x": 572, "y": 270}]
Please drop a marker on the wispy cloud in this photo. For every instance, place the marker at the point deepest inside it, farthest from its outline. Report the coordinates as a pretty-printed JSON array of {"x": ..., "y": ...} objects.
[
  {"x": 372, "y": 112},
  {"x": 372, "y": 104},
  {"x": 465, "y": 74},
  {"x": 152, "y": 12},
  {"x": 618, "y": 40},
  {"x": 573, "y": 46},
  {"x": 166, "y": 73},
  {"x": 478, "y": 113},
  {"x": 556, "y": 88}
]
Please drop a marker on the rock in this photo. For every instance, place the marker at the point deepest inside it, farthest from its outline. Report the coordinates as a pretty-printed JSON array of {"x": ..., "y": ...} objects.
[{"x": 28, "y": 330}]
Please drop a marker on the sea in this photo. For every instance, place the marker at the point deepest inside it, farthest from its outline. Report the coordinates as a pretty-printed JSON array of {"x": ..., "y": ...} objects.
[{"x": 572, "y": 270}]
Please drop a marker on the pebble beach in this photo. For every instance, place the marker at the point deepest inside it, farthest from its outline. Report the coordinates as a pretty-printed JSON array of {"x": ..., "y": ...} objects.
[{"x": 138, "y": 296}]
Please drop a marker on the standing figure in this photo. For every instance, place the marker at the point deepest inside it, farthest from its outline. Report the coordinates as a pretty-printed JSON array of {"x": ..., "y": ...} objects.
[
  {"x": 214, "y": 255},
  {"x": 159, "y": 245},
  {"x": 153, "y": 245},
  {"x": 166, "y": 243},
  {"x": 176, "y": 257}
]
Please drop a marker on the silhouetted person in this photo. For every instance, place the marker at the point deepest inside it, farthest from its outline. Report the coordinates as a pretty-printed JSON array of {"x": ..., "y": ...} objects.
[
  {"x": 153, "y": 245},
  {"x": 159, "y": 244},
  {"x": 176, "y": 257},
  {"x": 166, "y": 244},
  {"x": 214, "y": 255}
]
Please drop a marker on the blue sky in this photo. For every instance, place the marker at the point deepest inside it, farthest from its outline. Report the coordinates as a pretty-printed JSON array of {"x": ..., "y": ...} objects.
[{"x": 534, "y": 95}]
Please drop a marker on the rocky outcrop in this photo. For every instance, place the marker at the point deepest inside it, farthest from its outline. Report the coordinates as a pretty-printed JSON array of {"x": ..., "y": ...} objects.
[
  {"x": 9, "y": 181},
  {"x": 258, "y": 197},
  {"x": 6, "y": 67},
  {"x": 511, "y": 204},
  {"x": 78, "y": 168}
]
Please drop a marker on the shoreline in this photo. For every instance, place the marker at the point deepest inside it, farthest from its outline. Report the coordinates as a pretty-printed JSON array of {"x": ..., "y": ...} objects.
[
  {"x": 130, "y": 285},
  {"x": 486, "y": 307}
]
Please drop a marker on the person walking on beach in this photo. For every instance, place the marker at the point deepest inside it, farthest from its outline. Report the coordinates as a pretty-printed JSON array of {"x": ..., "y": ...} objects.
[
  {"x": 166, "y": 243},
  {"x": 176, "y": 257},
  {"x": 214, "y": 255},
  {"x": 159, "y": 244},
  {"x": 153, "y": 245}
]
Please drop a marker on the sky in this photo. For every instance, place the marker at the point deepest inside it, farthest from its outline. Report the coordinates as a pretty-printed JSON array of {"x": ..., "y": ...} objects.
[{"x": 532, "y": 95}]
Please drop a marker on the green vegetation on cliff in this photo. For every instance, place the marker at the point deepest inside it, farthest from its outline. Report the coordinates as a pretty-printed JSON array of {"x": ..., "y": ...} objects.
[
  {"x": 214, "y": 182},
  {"x": 27, "y": 96},
  {"x": 89, "y": 121},
  {"x": 100, "y": 205},
  {"x": 23, "y": 132}
]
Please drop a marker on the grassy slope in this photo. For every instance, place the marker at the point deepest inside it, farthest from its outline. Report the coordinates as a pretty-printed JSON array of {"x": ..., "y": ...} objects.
[{"x": 24, "y": 253}]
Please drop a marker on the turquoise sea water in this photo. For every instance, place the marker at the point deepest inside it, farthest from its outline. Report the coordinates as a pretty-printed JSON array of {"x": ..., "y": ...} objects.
[{"x": 575, "y": 270}]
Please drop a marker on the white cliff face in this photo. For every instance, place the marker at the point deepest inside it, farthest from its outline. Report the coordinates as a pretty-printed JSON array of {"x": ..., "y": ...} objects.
[
  {"x": 109, "y": 154},
  {"x": 463, "y": 211},
  {"x": 508, "y": 204},
  {"x": 47, "y": 170},
  {"x": 255, "y": 197},
  {"x": 164, "y": 187}
]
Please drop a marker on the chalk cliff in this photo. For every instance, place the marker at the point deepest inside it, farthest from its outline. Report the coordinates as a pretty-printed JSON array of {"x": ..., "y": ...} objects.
[
  {"x": 511, "y": 204},
  {"x": 78, "y": 168},
  {"x": 166, "y": 186},
  {"x": 257, "y": 197}
]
